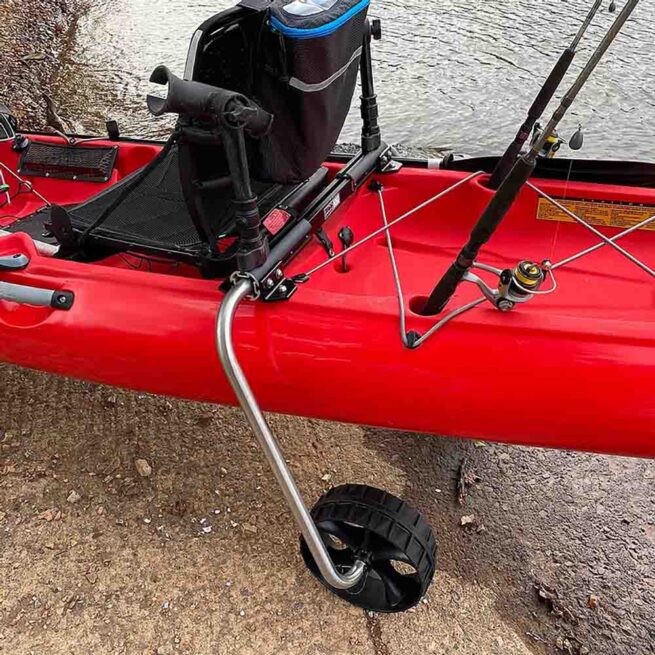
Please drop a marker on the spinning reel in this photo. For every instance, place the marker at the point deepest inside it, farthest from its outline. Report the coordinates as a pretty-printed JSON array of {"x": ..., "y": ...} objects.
[
  {"x": 515, "y": 285},
  {"x": 554, "y": 141}
]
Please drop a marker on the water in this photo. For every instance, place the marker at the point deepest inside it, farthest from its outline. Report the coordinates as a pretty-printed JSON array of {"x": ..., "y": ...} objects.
[{"x": 454, "y": 73}]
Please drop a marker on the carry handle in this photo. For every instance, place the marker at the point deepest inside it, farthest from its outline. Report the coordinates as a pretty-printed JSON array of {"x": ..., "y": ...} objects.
[
  {"x": 16, "y": 262},
  {"x": 37, "y": 297}
]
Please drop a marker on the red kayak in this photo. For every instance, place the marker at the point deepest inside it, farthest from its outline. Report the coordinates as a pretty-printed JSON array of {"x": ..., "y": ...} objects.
[
  {"x": 117, "y": 258},
  {"x": 573, "y": 369}
]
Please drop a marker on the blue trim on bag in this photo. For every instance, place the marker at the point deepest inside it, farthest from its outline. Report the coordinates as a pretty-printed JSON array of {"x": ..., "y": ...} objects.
[{"x": 323, "y": 30}]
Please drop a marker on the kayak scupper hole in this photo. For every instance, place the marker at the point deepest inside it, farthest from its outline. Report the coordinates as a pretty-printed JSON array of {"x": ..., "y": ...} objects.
[
  {"x": 339, "y": 268},
  {"x": 483, "y": 183},
  {"x": 417, "y": 305}
]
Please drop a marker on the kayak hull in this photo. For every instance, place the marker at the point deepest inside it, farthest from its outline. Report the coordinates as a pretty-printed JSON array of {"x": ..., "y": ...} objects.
[{"x": 545, "y": 375}]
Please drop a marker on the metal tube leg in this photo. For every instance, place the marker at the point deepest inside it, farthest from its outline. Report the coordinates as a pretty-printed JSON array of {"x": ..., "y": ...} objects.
[{"x": 269, "y": 445}]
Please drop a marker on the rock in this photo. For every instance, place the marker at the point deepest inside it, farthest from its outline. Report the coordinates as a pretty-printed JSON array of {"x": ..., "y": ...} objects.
[
  {"x": 592, "y": 601},
  {"x": 165, "y": 650},
  {"x": 100, "y": 511},
  {"x": 250, "y": 528},
  {"x": 467, "y": 520},
  {"x": 50, "y": 515},
  {"x": 223, "y": 471},
  {"x": 73, "y": 497},
  {"x": 326, "y": 478},
  {"x": 143, "y": 468}
]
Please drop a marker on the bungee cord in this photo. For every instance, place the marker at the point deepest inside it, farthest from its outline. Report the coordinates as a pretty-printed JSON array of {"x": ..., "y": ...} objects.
[{"x": 414, "y": 340}]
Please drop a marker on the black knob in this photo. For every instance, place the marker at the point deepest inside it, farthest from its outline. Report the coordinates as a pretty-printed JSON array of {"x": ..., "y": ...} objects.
[
  {"x": 376, "y": 29},
  {"x": 347, "y": 238}
]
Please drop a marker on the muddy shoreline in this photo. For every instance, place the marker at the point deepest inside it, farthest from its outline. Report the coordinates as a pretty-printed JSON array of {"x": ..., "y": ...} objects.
[{"x": 34, "y": 35}]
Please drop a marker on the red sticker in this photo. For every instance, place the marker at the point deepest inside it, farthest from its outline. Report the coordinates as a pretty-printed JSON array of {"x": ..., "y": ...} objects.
[{"x": 276, "y": 220}]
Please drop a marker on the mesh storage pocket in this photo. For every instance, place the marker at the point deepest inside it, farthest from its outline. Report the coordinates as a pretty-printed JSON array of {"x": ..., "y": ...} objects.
[
  {"x": 82, "y": 163},
  {"x": 308, "y": 76}
]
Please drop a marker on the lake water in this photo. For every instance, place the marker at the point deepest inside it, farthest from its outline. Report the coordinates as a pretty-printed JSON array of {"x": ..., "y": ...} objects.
[{"x": 455, "y": 73}]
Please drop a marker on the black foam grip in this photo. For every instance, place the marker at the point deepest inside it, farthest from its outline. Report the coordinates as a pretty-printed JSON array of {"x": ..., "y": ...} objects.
[
  {"x": 500, "y": 204},
  {"x": 551, "y": 84},
  {"x": 539, "y": 106},
  {"x": 444, "y": 291},
  {"x": 488, "y": 223}
]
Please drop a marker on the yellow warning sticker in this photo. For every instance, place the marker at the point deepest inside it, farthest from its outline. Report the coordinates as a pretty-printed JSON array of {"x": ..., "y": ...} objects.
[{"x": 598, "y": 212}]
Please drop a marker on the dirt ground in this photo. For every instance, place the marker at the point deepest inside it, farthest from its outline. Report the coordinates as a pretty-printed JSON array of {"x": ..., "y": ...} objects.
[{"x": 97, "y": 558}]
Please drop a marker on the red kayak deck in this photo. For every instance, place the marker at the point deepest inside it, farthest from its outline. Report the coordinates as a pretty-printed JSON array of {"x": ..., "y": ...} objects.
[{"x": 575, "y": 369}]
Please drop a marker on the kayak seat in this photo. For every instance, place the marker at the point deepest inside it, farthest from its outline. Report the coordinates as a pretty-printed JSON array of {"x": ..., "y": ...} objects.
[
  {"x": 153, "y": 217},
  {"x": 265, "y": 95}
]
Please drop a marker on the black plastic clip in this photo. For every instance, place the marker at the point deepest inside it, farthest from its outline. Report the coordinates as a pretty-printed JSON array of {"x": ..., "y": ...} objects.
[
  {"x": 113, "y": 131},
  {"x": 61, "y": 226}
]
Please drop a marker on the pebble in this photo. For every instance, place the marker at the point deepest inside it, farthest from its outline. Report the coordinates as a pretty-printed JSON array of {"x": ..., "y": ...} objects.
[
  {"x": 143, "y": 468},
  {"x": 74, "y": 497},
  {"x": 223, "y": 471},
  {"x": 326, "y": 478},
  {"x": 50, "y": 515}
]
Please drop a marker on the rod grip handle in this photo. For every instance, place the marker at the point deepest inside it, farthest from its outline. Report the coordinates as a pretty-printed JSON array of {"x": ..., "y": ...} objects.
[
  {"x": 551, "y": 84},
  {"x": 539, "y": 106},
  {"x": 500, "y": 204},
  {"x": 488, "y": 223}
]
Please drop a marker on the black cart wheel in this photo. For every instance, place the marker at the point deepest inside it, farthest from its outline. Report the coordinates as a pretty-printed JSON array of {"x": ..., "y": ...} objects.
[{"x": 397, "y": 545}]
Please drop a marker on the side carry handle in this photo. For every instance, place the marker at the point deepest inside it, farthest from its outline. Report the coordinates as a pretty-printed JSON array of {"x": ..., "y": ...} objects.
[{"x": 37, "y": 297}]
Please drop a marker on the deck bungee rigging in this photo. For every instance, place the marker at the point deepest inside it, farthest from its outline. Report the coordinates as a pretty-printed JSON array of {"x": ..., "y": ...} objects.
[{"x": 124, "y": 245}]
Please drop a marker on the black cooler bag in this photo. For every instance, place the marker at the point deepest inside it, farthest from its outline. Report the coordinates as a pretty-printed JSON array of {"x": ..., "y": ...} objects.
[{"x": 307, "y": 72}]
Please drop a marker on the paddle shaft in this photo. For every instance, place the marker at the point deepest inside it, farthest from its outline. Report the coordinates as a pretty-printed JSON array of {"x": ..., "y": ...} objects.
[
  {"x": 541, "y": 102},
  {"x": 508, "y": 191}
]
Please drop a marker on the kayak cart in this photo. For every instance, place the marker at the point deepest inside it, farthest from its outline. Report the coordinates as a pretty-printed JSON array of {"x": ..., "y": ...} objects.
[{"x": 137, "y": 263}]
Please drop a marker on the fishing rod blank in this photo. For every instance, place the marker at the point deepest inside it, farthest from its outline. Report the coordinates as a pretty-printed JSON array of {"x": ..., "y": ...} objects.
[
  {"x": 541, "y": 102},
  {"x": 508, "y": 191}
]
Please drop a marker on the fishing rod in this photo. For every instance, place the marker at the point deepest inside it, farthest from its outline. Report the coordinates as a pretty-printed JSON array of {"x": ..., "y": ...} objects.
[
  {"x": 542, "y": 101},
  {"x": 509, "y": 190}
]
